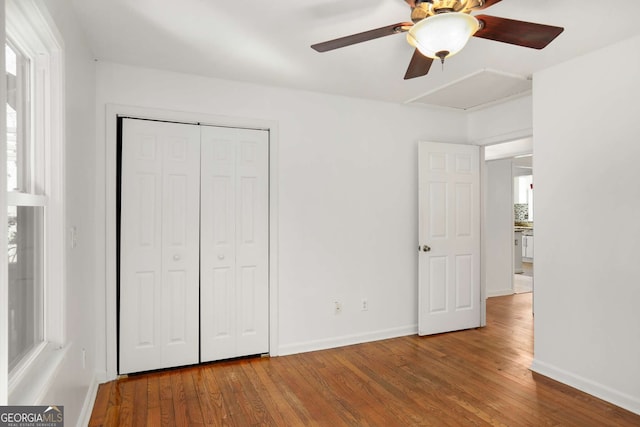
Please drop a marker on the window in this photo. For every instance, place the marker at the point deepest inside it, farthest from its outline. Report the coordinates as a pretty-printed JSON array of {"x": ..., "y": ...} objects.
[
  {"x": 25, "y": 214},
  {"x": 35, "y": 202},
  {"x": 17, "y": 74}
]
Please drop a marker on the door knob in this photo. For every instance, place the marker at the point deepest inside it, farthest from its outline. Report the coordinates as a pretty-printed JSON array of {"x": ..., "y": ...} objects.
[
  {"x": 176, "y": 257},
  {"x": 220, "y": 257},
  {"x": 426, "y": 248}
]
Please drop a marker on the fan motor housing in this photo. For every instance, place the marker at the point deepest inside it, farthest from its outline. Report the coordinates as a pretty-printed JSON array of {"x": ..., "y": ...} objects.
[{"x": 425, "y": 9}]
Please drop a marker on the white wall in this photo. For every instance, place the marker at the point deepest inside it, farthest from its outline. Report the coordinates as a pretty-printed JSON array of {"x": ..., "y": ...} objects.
[
  {"x": 509, "y": 149},
  {"x": 510, "y": 125},
  {"x": 504, "y": 122},
  {"x": 498, "y": 253},
  {"x": 587, "y": 323},
  {"x": 73, "y": 382},
  {"x": 347, "y": 197}
]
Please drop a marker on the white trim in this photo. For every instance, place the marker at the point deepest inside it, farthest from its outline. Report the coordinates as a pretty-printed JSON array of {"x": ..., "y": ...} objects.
[
  {"x": 505, "y": 137},
  {"x": 513, "y": 238},
  {"x": 274, "y": 298},
  {"x": 510, "y": 149},
  {"x": 25, "y": 199},
  {"x": 483, "y": 241},
  {"x": 89, "y": 400},
  {"x": 36, "y": 379},
  {"x": 586, "y": 385},
  {"x": 323, "y": 344},
  {"x": 112, "y": 113},
  {"x": 35, "y": 31},
  {"x": 21, "y": 370},
  {"x": 55, "y": 311},
  {"x": 4, "y": 274}
]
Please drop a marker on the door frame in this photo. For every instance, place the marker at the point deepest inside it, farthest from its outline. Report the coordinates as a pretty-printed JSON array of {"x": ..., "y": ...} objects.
[
  {"x": 515, "y": 141},
  {"x": 483, "y": 236},
  {"x": 113, "y": 111}
]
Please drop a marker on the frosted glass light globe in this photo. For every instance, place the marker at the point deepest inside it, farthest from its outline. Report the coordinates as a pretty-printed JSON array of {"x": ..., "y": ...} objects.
[{"x": 443, "y": 35}]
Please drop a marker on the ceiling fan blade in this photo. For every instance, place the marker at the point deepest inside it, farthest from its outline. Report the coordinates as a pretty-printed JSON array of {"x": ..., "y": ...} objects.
[
  {"x": 487, "y": 3},
  {"x": 521, "y": 33},
  {"x": 419, "y": 66},
  {"x": 362, "y": 37}
]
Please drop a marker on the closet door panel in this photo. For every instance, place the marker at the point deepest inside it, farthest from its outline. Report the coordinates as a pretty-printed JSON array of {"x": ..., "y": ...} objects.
[
  {"x": 218, "y": 245},
  {"x": 181, "y": 244},
  {"x": 252, "y": 237},
  {"x": 159, "y": 244},
  {"x": 234, "y": 228}
]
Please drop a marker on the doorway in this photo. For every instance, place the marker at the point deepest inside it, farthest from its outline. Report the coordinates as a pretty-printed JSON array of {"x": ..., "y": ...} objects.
[
  {"x": 509, "y": 218},
  {"x": 523, "y": 220}
]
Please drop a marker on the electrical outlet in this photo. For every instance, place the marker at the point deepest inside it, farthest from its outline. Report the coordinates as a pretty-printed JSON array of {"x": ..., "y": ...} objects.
[
  {"x": 365, "y": 305},
  {"x": 338, "y": 307}
]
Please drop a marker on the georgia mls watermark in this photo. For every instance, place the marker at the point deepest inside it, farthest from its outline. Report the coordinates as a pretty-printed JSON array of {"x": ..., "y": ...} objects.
[{"x": 31, "y": 416}]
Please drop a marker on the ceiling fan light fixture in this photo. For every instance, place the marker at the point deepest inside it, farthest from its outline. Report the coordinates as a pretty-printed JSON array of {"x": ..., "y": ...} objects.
[{"x": 443, "y": 35}]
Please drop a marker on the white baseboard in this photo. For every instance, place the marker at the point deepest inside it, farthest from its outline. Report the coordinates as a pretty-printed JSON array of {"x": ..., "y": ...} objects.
[
  {"x": 89, "y": 400},
  {"x": 500, "y": 293},
  {"x": 345, "y": 340},
  {"x": 593, "y": 388}
]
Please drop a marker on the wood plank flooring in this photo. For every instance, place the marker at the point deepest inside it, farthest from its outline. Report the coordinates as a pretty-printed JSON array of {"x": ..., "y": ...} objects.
[{"x": 474, "y": 377}]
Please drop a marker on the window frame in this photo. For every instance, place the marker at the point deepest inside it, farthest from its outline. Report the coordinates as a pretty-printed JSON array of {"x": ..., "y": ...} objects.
[
  {"x": 32, "y": 31},
  {"x": 23, "y": 82}
]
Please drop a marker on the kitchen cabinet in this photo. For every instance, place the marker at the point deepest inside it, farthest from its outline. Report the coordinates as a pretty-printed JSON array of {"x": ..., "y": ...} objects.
[
  {"x": 517, "y": 252},
  {"x": 527, "y": 247}
]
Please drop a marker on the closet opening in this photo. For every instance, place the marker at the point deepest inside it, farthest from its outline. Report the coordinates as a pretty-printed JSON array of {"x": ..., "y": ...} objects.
[{"x": 192, "y": 243}]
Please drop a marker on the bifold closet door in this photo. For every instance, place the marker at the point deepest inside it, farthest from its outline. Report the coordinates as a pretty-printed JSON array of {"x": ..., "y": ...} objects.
[
  {"x": 159, "y": 245},
  {"x": 234, "y": 299}
]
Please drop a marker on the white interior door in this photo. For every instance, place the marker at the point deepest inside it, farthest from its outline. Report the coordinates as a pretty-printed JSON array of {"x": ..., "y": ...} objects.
[
  {"x": 449, "y": 238},
  {"x": 159, "y": 263},
  {"x": 234, "y": 292}
]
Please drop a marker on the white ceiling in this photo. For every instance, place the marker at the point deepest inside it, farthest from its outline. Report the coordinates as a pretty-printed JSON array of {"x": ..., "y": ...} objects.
[{"x": 268, "y": 42}]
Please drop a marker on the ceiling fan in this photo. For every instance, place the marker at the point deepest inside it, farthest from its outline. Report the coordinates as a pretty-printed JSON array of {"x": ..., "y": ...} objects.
[{"x": 441, "y": 28}]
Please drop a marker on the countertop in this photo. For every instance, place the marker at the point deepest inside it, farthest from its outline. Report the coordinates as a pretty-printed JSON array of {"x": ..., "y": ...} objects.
[{"x": 527, "y": 231}]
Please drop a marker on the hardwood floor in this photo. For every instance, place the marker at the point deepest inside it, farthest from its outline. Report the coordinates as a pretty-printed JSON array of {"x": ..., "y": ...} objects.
[
  {"x": 527, "y": 269},
  {"x": 473, "y": 377}
]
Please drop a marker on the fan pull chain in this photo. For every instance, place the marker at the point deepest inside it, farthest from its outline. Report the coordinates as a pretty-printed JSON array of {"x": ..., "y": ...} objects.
[{"x": 442, "y": 54}]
